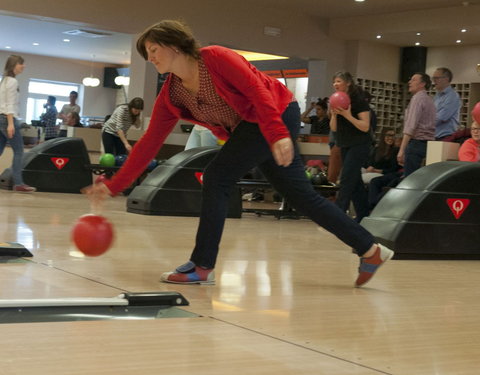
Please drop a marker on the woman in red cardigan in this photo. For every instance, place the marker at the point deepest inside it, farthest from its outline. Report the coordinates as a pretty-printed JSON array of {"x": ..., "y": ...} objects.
[{"x": 257, "y": 116}]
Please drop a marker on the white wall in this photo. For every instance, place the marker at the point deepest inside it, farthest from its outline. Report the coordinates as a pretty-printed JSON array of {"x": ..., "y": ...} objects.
[
  {"x": 378, "y": 61},
  {"x": 98, "y": 101},
  {"x": 461, "y": 60}
]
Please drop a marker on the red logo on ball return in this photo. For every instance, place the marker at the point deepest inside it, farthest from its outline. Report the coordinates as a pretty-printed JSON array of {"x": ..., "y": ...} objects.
[
  {"x": 59, "y": 162},
  {"x": 199, "y": 176},
  {"x": 458, "y": 206}
]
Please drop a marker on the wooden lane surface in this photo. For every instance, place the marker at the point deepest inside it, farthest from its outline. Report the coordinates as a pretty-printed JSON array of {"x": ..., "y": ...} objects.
[{"x": 283, "y": 302}]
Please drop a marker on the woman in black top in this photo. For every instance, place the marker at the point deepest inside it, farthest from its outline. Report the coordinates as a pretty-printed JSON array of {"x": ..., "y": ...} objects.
[{"x": 353, "y": 137}]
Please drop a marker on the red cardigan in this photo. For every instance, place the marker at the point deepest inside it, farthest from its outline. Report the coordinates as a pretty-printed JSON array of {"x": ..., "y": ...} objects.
[
  {"x": 255, "y": 96},
  {"x": 469, "y": 151}
]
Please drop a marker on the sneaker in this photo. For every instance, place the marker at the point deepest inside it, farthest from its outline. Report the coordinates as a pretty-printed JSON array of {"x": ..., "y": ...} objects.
[
  {"x": 24, "y": 189},
  {"x": 189, "y": 273},
  {"x": 370, "y": 265}
]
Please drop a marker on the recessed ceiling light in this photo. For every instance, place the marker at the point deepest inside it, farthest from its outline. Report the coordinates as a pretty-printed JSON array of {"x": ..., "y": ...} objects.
[
  {"x": 458, "y": 41},
  {"x": 359, "y": 1},
  {"x": 418, "y": 34},
  {"x": 417, "y": 43},
  {"x": 379, "y": 36},
  {"x": 66, "y": 40},
  {"x": 463, "y": 30},
  {"x": 8, "y": 47},
  {"x": 36, "y": 44}
]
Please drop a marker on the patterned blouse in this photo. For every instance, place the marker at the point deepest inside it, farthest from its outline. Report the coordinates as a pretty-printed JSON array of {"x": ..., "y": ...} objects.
[{"x": 207, "y": 105}]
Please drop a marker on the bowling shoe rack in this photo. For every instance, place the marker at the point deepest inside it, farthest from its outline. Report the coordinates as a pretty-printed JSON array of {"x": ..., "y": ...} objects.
[{"x": 389, "y": 101}]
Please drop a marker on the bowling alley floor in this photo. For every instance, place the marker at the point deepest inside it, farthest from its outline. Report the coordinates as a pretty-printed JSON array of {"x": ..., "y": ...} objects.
[{"x": 283, "y": 304}]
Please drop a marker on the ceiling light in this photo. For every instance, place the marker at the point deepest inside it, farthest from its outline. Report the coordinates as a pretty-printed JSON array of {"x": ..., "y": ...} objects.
[
  {"x": 35, "y": 44},
  {"x": 66, "y": 40},
  {"x": 463, "y": 30},
  {"x": 122, "y": 81},
  {"x": 458, "y": 41},
  {"x": 418, "y": 34},
  {"x": 359, "y": 1},
  {"x": 379, "y": 36},
  {"x": 8, "y": 47},
  {"x": 91, "y": 81},
  {"x": 417, "y": 43},
  {"x": 257, "y": 56}
]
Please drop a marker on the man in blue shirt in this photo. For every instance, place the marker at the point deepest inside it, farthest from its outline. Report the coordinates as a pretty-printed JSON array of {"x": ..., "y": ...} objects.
[{"x": 447, "y": 102}]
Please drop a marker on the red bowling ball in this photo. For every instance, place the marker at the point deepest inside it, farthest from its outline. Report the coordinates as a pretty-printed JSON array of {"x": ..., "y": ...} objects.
[
  {"x": 339, "y": 99},
  {"x": 92, "y": 234},
  {"x": 476, "y": 113}
]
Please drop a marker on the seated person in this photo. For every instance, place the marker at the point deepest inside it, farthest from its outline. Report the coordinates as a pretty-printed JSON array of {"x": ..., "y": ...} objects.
[
  {"x": 383, "y": 159},
  {"x": 320, "y": 121},
  {"x": 470, "y": 149},
  {"x": 73, "y": 119}
]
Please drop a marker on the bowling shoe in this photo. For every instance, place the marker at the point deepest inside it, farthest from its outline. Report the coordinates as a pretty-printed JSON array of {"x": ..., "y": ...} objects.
[
  {"x": 24, "y": 189},
  {"x": 370, "y": 265},
  {"x": 189, "y": 273}
]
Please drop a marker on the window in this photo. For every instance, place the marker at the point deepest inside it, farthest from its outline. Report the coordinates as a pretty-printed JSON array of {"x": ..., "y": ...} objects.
[{"x": 38, "y": 91}]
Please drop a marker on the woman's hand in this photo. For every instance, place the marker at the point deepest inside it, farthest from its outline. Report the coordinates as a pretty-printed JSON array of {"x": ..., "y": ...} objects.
[
  {"x": 97, "y": 194},
  {"x": 282, "y": 151},
  {"x": 347, "y": 113}
]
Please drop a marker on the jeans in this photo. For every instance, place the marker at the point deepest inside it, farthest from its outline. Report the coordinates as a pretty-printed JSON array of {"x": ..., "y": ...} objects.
[
  {"x": 113, "y": 144},
  {"x": 352, "y": 187},
  {"x": 16, "y": 143},
  {"x": 246, "y": 149},
  {"x": 415, "y": 152}
]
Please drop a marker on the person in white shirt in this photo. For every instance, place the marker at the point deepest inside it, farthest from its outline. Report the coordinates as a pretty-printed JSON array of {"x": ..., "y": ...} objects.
[
  {"x": 9, "y": 125},
  {"x": 66, "y": 109}
]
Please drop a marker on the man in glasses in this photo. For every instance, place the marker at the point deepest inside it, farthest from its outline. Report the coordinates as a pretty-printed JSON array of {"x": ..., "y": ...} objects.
[{"x": 447, "y": 102}]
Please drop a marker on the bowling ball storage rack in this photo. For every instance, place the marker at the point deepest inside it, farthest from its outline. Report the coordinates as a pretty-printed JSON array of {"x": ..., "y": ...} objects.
[{"x": 285, "y": 211}]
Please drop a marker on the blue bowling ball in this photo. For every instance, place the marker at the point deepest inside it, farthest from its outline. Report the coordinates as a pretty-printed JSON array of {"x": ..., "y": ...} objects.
[
  {"x": 119, "y": 160},
  {"x": 152, "y": 165}
]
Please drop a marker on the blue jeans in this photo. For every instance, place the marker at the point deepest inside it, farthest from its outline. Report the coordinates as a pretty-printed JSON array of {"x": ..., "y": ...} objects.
[
  {"x": 246, "y": 149},
  {"x": 352, "y": 187},
  {"x": 415, "y": 152},
  {"x": 16, "y": 143}
]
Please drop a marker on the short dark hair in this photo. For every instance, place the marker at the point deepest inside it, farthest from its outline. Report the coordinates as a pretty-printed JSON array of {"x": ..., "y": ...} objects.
[
  {"x": 322, "y": 103},
  {"x": 447, "y": 73},
  {"x": 74, "y": 93},
  {"x": 51, "y": 99},
  {"x": 424, "y": 77},
  {"x": 170, "y": 33}
]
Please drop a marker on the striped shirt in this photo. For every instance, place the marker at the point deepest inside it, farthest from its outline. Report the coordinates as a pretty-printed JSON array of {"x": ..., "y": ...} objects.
[
  {"x": 207, "y": 106},
  {"x": 121, "y": 119},
  {"x": 420, "y": 117}
]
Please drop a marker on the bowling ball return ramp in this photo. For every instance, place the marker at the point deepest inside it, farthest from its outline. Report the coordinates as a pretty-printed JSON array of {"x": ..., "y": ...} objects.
[
  {"x": 127, "y": 306},
  {"x": 432, "y": 214},
  {"x": 174, "y": 188},
  {"x": 13, "y": 249}
]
